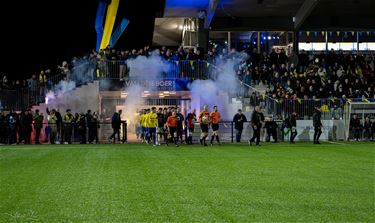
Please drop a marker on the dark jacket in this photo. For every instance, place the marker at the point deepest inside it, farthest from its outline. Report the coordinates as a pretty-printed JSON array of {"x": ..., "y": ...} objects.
[
  {"x": 38, "y": 121},
  {"x": 116, "y": 121},
  {"x": 89, "y": 119},
  {"x": 293, "y": 121},
  {"x": 27, "y": 122},
  {"x": 238, "y": 120},
  {"x": 355, "y": 123},
  {"x": 256, "y": 119},
  {"x": 180, "y": 119},
  {"x": 81, "y": 122},
  {"x": 316, "y": 119},
  {"x": 270, "y": 126},
  {"x": 367, "y": 125}
]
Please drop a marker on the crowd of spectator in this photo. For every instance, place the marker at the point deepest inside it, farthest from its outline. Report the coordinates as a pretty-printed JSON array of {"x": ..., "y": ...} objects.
[
  {"x": 306, "y": 76},
  {"x": 311, "y": 76},
  {"x": 55, "y": 128}
]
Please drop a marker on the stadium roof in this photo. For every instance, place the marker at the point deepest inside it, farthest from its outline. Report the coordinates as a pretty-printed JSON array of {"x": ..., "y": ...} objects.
[{"x": 237, "y": 15}]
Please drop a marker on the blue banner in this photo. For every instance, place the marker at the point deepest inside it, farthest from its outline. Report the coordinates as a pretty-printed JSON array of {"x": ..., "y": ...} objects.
[
  {"x": 99, "y": 23},
  {"x": 119, "y": 31}
]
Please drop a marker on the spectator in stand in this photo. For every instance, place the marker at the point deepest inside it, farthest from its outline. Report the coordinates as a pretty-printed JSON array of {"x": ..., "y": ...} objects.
[
  {"x": 33, "y": 84},
  {"x": 255, "y": 58},
  {"x": 273, "y": 58},
  {"x": 191, "y": 55},
  {"x": 303, "y": 59},
  {"x": 5, "y": 84},
  {"x": 247, "y": 84},
  {"x": 293, "y": 59}
]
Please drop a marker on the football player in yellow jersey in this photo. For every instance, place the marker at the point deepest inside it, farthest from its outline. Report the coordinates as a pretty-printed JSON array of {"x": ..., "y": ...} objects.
[
  {"x": 204, "y": 120},
  {"x": 215, "y": 119},
  {"x": 152, "y": 123},
  {"x": 137, "y": 124},
  {"x": 146, "y": 121},
  {"x": 143, "y": 124}
]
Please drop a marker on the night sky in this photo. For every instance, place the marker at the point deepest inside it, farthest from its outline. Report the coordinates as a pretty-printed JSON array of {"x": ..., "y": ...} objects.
[{"x": 41, "y": 35}]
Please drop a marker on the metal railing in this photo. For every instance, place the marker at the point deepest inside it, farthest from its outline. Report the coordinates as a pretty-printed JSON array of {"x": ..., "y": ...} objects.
[
  {"x": 331, "y": 108},
  {"x": 86, "y": 72},
  {"x": 183, "y": 69},
  {"x": 227, "y": 133}
]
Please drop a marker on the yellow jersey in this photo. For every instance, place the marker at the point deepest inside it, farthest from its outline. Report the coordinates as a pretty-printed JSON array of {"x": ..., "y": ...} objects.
[
  {"x": 152, "y": 120},
  {"x": 143, "y": 120}
]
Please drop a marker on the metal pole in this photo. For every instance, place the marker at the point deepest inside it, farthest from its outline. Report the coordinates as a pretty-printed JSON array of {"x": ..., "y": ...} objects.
[
  {"x": 357, "y": 42},
  {"x": 229, "y": 42},
  {"x": 296, "y": 41},
  {"x": 326, "y": 42},
  {"x": 232, "y": 131},
  {"x": 258, "y": 42}
]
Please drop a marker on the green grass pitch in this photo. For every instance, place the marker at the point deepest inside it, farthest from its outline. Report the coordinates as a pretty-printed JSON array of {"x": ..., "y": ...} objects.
[{"x": 227, "y": 183}]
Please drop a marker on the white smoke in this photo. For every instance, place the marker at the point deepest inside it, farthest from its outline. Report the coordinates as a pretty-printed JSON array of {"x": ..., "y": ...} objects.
[
  {"x": 218, "y": 91},
  {"x": 50, "y": 96},
  {"x": 143, "y": 71},
  {"x": 82, "y": 72}
]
